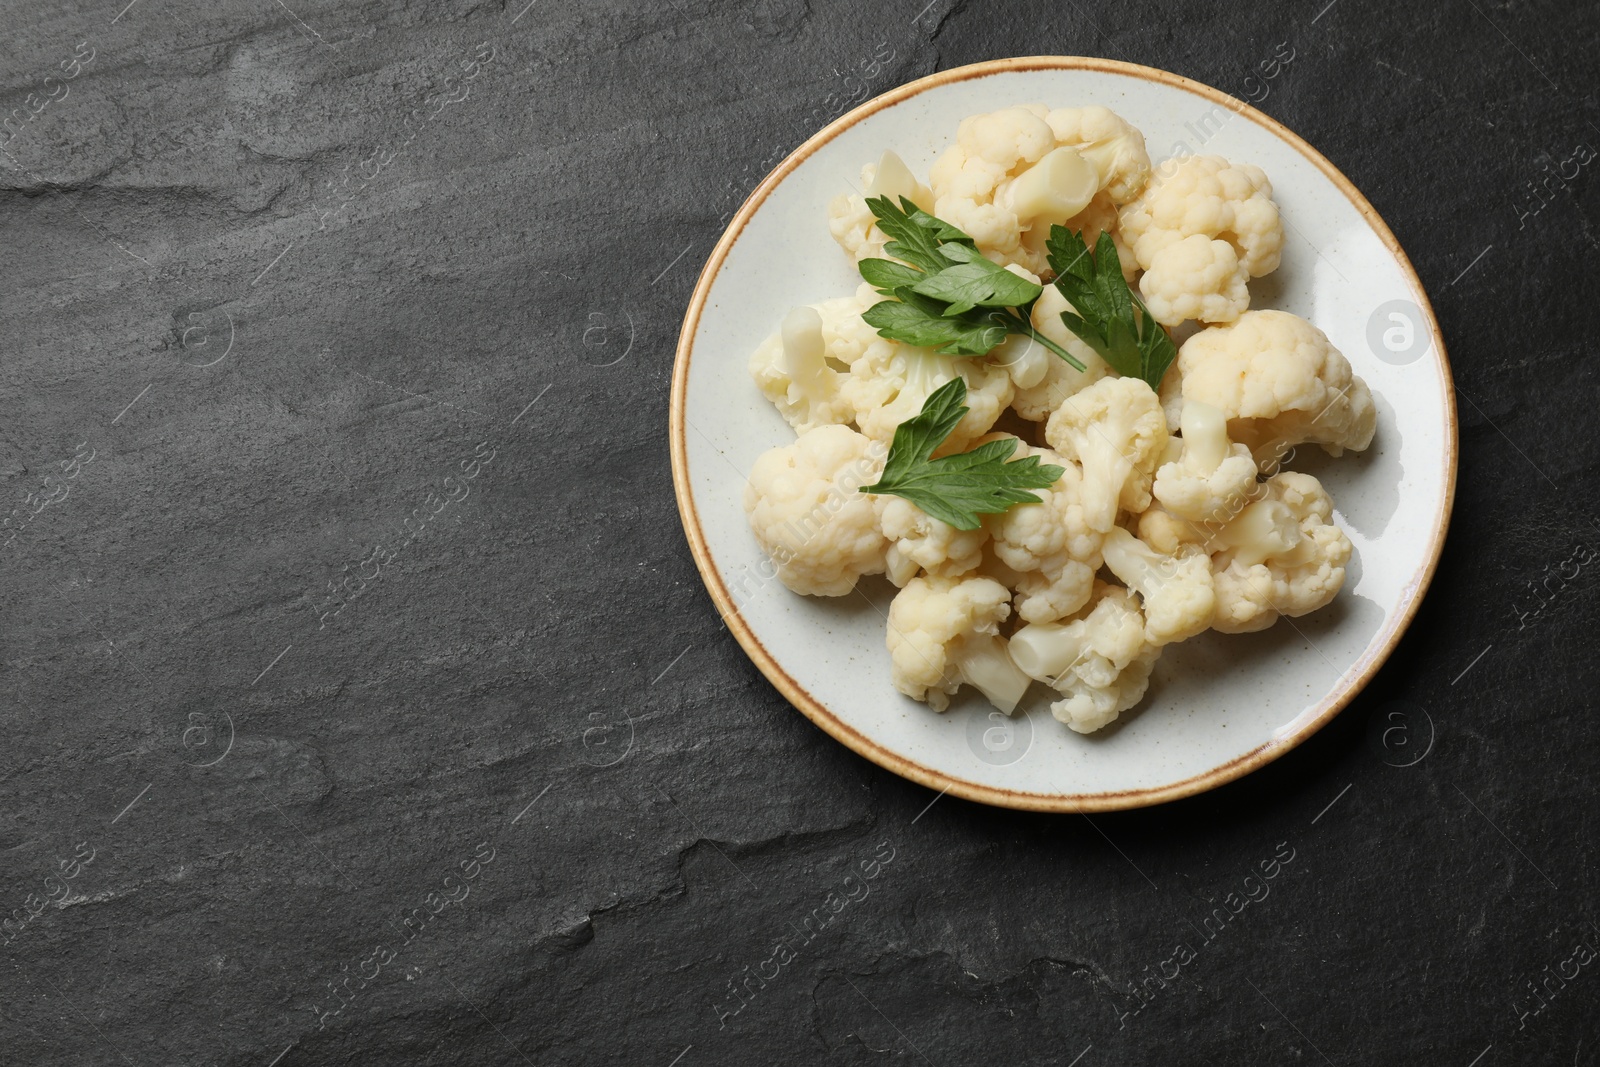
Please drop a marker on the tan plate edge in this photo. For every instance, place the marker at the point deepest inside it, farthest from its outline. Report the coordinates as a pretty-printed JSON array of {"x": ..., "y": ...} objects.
[{"x": 1362, "y": 670}]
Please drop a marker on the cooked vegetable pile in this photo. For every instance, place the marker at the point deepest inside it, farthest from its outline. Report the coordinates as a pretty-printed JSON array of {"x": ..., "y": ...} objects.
[{"x": 1056, "y": 488}]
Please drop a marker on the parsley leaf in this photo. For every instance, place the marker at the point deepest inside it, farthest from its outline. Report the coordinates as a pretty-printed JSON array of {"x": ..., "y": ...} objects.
[
  {"x": 977, "y": 282},
  {"x": 959, "y": 488},
  {"x": 885, "y": 275},
  {"x": 922, "y": 321},
  {"x": 946, "y": 294},
  {"x": 1110, "y": 318},
  {"x": 914, "y": 235}
]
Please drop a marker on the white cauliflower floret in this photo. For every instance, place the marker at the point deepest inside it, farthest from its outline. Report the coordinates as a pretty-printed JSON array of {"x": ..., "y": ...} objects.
[
  {"x": 1171, "y": 393},
  {"x": 1105, "y": 139},
  {"x": 1177, "y": 591},
  {"x": 808, "y": 515},
  {"x": 855, "y": 228},
  {"x": 1037, "y": 400},
  {"x": 1114, "y": 428},
  {"x": 1048, "y": 547},
  {"x": 1279, "y": 380},
  {"x": 1025, "y": 360},
  {"x": 890, "y": 382},
  {"x": 851, "y": 221},
  {"x": 1100, "y": 216},
  {"x": 792, "y": 369},
  {"x": 1011, "y": 175},
  {"x": 1197, "y": 278},
  {"x": 918, "y": 541},
  {"x": 1210, "y": 198},
  {"x": 990, "y": 151},
  {"x": 1100, "y": 661},
  {"x": 1213, "y": 477},
  {"x": 1281, "y": 556},
  {"x": 845, "y": 333},
  {"x": 945, "y": 633},
  {"x": 1166, "y": 533}
]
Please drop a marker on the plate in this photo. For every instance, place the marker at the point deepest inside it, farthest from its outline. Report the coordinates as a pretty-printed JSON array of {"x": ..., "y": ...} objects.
[{"x": 1219, "y": 705}]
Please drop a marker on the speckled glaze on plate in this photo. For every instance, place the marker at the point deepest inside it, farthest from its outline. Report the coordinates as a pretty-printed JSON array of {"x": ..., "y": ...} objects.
[{"x": 1219, "y": 706}]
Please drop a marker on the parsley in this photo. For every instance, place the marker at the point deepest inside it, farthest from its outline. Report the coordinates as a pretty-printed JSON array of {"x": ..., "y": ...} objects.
[
  {"x": 1134, "y": 344},
  {"x": 957, "y": 489},
  {"x": 947, "y": 295}
]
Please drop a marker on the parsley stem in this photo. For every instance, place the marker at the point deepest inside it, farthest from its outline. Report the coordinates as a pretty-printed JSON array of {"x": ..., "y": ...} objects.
[{"x": 1025, "y": 326}]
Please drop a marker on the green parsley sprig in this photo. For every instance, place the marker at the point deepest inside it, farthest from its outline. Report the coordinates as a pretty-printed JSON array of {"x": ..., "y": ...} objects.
[
  {"x": 946, "y": 294},
  {"x": 1111, "y": 319},
  {"x": 958, "y": 488}
]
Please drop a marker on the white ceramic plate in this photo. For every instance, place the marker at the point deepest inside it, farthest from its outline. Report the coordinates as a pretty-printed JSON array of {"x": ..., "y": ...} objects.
[{"x": 1219, "y": 706}]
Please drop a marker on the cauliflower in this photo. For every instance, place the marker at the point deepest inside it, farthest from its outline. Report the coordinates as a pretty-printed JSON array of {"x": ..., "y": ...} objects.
[
  {"x": 807, "y": 515},
  {"x": 1115, "y": 148},
  {"x": 1160, "y": 525},
  {"x": 1177, "y": 591},
  {"x": 793, "y": 371},
  {"x": 1038, "y": 397},
  {"x": 1171, "y": 394},
  {"x": 917, "y": 540},
  {"x": 1165, "y": 532},
  {"x": 1025, "y": 360},
  {"x": 845, "y": 333},
  {"x": 990, "y": 152},
  {"x": 1100, "y": 216},
  {"x": 1116, "y": 431},
  {"x": 890, "y": 381},
  {"x": 1278, "y": 379},
  {"x": 1212, "y": 478},
  {"x": 1048, "y": 548},
  {"x": 945, "y": 632},
  {"x": 1281, "y": 556},
  {"x": 1058, "y": 187},
  {"x": 1175, "y": 227},
  {"x": 1197, "y": 278},
  {"x": 1099, "y": 661},
  {"x": 1014, "y": 173},
  {"x": 851, "y": 221}
]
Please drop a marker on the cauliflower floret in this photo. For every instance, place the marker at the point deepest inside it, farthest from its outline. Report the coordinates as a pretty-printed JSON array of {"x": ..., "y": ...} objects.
[
  {"x": 1099, "y": 661},
  {"x": 1048, "y": 547},
  {"x": 890, "y": 382},
  {"x": 1014, "y": 173},
  {"x": 1165, "y": 532},
  {"x": 844, "y": 332},
  {"x": 989, "y": 152},
  {"x": 1025, "y": 360},
  {"x": 1213, "y": 477},
  {"x": 855, "y": 228},
  {"x": 994, "y": 567},
  {"x": 792, "y": 369},
  {"x": 1197, "y": 278},
  {"x": 917, "y": 540},
  {"x": 1278, "y": 379},
  {"x": 808, "y": 516},
  {"x": 1171, "y": 394},
  {"x": 1281, "y": 556},
  {"x": 1177, "y": 591},
  {"x": 1106, "y": 140},
  {"x": 945, "y": 632},
  {"x": 1037, "y": 400},
  {"x": 851, "y": 221},
  {"x": 1100, "y": 216},
  {"x": 1210, "y": 198},
  {"x": 1117, "y": 433}
]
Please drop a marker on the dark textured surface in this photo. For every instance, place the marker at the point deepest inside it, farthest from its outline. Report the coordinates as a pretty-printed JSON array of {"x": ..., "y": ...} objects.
[{"x": 535, "y": 675}]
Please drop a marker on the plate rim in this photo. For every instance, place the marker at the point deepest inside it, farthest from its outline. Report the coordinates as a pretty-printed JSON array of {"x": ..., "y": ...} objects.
[{"x": 1360, "y": 673}]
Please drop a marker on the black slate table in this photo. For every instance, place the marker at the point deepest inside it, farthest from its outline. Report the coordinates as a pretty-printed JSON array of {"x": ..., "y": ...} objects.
[{"x": 296, "y": 292}]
